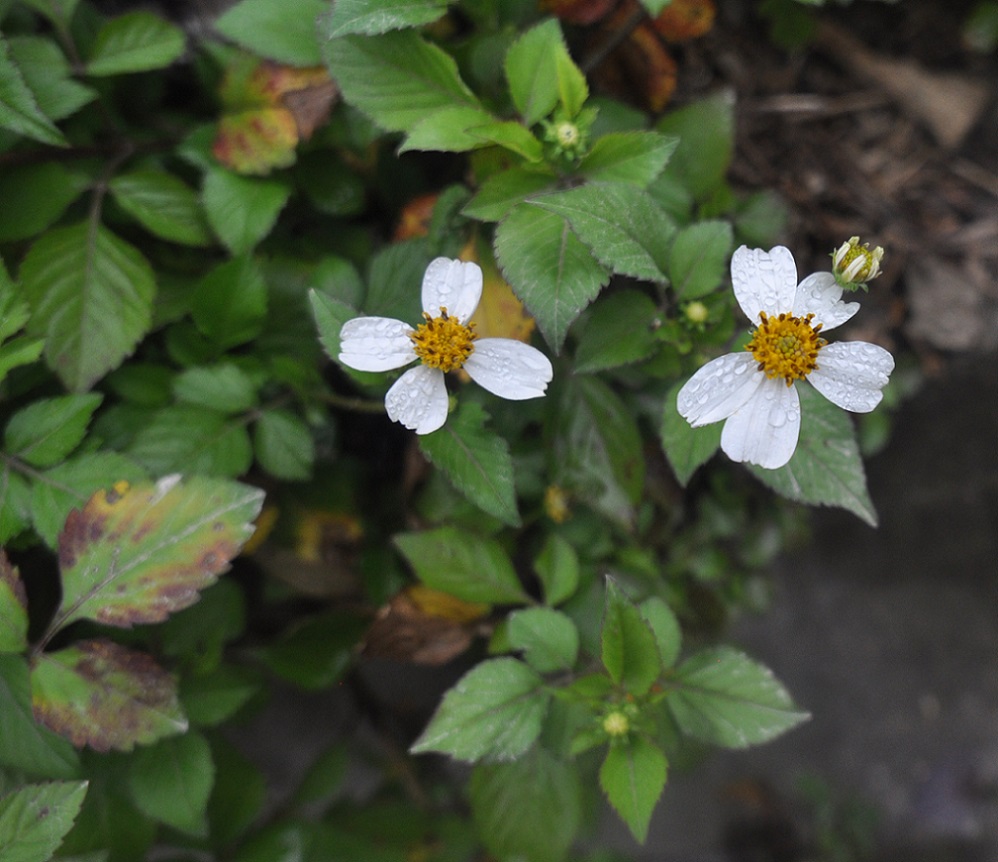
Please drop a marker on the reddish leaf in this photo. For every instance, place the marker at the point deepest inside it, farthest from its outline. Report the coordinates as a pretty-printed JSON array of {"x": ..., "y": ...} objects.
[
  {"x": 256, "y": 141},
  {"x": 578, "y": 11},
  {"x": 136, "y": 555},
  {"x": 13, "y": 608},
  {"x": 101, "y": 694},
  {"x": 641, "y": 68},
  {"x": 683, "y": 20}
]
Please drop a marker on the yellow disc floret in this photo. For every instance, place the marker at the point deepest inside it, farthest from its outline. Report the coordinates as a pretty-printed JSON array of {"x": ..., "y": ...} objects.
[
  {"x": 854, "y": 263},
  {"x": 616, "y": 724},
  {"x": 786, "y": 346},
  {"x": 443, "y": 342}
]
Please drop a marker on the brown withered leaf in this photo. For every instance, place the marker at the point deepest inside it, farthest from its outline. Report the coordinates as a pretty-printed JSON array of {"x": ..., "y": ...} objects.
[
  {"x": 683, "y": 20},
  {"x": 578, "y": 11},
  {"x": 640, "y": 69}
]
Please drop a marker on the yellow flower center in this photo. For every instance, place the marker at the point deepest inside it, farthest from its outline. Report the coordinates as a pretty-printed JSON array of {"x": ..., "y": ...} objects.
[
  {"x": 442, "y": 342},
  {"x": 786, "y": 346},
  {"x": 865, "y": 268}
]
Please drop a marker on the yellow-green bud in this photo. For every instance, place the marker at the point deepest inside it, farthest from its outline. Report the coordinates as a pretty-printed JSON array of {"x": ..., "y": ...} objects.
[
  {"x": 854, "y": 264},
  {"x": 567, "y": 135},
  {"x": 616, "y": 724},
  {"x": 696, "y": 312}
]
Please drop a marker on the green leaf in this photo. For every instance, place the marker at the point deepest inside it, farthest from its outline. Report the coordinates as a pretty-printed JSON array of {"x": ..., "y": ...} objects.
[
  {"x": 15, "y": 503},
  {"x": 826, "y": 469},
  {"x": 59, "y": 12},
  {"x": 26, "y": 745},
  {"x": 706, "y": 133},
  {"x": 35, "y": 196},
  {"x": 725, "y": 698},
  {"x": 276, "y": 29},
  {"x": 225, "y": 387},
  {"x": 371, "y": 17},
  {"x": 317, "y": 652},
  {"x": 476, "y": 461},
  {"x": 215, "y": 696},
  {"x": 557, "y": 565},
  {"x": 135, "y": 42},
  {"x": 687, "y": 448},
  {"x": 45, "y": 432},
  {"x": 629, "y": 650},
  {"x": 549, "y": 268},
  {"x": 619, "y": 330},
  {"x": 698, "y": 260},
  {"x": 627, "y": 157},
  {"x": 632, "y": 777},
  {"x": 19, "y": 111},
  {"x": 172, "y": 780},
  {"x": 467, "y": 566},
  {"x": 13, "y": 608},
  {"x": 34, "y": 819},
  {"x": 532, "y": 71},
  {"x": 283, "y": 445},
  {"x": 572, "y": 87},
  {"x": 49, "y": 76},
  {"x": 101, "y": 694},
  {"x": 665, "y": 627},
  {"x": 330, "y": 315},
  {"x": 193, "y": 439},
  {"x": 622, "y": 226},
  {"x": 137, "y": 554},
  {"x": 598, "y": 448},
  {"x": 230, "y": 305},
  {"x": 511, "y": 136},
  {"x": 503, "y": 191},
  {"x": 530, "y": 809},
  {"x": 237, "y": 797},
  {"x": 548, "y": 638},
  {"x": 91, "y": 298},
  {"x": 493, "y": 712},
  {"x": 242, "y": 210},
  {"x": 397, "y": 79},
  {"x": 453, "y": 129},
  {"x": 163, "y": 204},
  {"x": 67, "y": 486}
]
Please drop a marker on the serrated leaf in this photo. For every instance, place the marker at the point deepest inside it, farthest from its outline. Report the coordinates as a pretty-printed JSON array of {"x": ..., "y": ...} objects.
[
  {"x": 467, "y": 566},
  {"x": 698, "y": 259},
  {"x": 237, "y": 797},
  {"x": 137, "y": 554},
  {"x": 549, "y": 268},
  {"x": 26, "y": 745},
  {"x": 49, "y": 76},
  {"x": 213, "y": 697},
  {"x": 476, "y": 461},
  {"x": 192, "y": 439},
  {"x": 826, "y": 469},
  {"x": 67, "y": 486},
  {"x": 619, "y": 330},
  {"x": 172, "y": 780},
  {"x": 330, "y": 315},
  {"x": 687, "y": 448},
  {"x": 628, "y": 648},
  {"x": 503, "y": 191},
  {"x": 706, "y": 142},
  {"x": 494, "y": 712},
  {"x": 635, "y": 158},
  {"x": 275, "y": 29},
  {"x": 622, "y": 226},
  {"x": 242, "y": 210},
  {"x": 532, "y": 71},
  {"x": 371, "y": 17},
  {"x": 13, "y": 608},
  {"x": 632, "y": 777},
  {"x": 101, "y": 694},
  {"x": 164, "y": 205},
  {"x": 135, "y": 42},
  {"x": 557, "y": 565},
  {"x": 548, "y": 638},
  {"x": 91, "y": 297},
  {"x": 665, "y": 627},
  {"x": 35, "y": 196},
  {"x": 398, "y": 79},
  {"x": 45, "y": 432},
  {"x": 35, "y": 818},
  {"x": 572, "y": 87},
  {"x": 316, "y": 652},
  {"x": 19, "y": 111},
  {"x": 511, "y": 136},
  {"x": 451, "y": 129},
  {"x": 225, "y": 387},
  {"x": 530, "y": 809},
  {"x": 725, "y": 698},
  {"x": 230, "y": 305},
  {"x": 283, "y": 445},
  {"x": 15, "y": 503}
]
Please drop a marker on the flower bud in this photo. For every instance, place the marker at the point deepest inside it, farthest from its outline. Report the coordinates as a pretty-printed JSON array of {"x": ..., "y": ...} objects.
[
  {"x": 616, "y": 724},
  {"x": 853, "y": 264}
]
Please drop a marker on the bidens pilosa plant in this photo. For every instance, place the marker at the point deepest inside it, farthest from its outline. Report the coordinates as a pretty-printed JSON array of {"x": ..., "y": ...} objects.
[{"x": 214, "y": 239}]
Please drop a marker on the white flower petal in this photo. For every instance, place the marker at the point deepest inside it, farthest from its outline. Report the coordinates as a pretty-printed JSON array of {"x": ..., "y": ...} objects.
[
  {"x": 509, "y": 368},
  {"x": 765, "y": 429},
  {"x": 454, "y": 285},
  {"x": 763, "y": 280},
  {"x": 821, "y": 295},
  {"x": 719, "y": 388},
  {"x": 375, "y": 344},
  {"x": 418, "y": 399},
  {"x": 851, "y": 374}
]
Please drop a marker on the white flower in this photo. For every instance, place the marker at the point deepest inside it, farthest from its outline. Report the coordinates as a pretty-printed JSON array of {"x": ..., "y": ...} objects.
[
  {"x": 444, "y": 342},
  {"x": 755, "y": 390}
]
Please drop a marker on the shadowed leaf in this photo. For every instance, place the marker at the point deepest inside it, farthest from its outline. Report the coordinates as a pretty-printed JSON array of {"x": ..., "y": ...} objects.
[{"x": 13, "y": 608}]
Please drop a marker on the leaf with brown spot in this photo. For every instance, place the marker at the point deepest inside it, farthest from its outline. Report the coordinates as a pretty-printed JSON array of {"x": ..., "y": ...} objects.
[
  {"x": 136, "y": 555},
  {"x": 13, "y": 608},
  {"x": 101, "y": 694}
]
